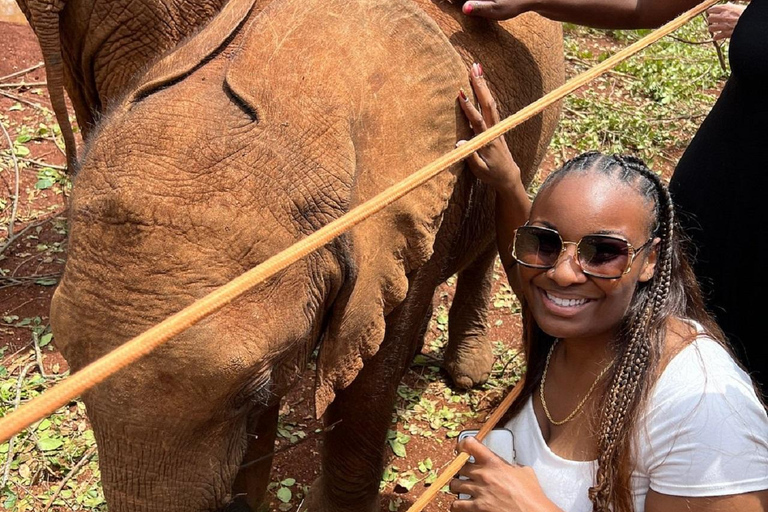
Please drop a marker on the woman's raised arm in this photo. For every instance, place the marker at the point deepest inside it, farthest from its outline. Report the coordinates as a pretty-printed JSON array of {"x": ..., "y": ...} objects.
[
  {"x": 616, "y": 14},
  {"x": 494, "y": 166}
]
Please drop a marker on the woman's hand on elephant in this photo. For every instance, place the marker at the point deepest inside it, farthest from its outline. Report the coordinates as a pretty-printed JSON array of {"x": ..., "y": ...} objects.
[
  {"x": 495, "y": 485},
  {"x": 496, "y": 9},
  {"x": 492, "y": 164}
]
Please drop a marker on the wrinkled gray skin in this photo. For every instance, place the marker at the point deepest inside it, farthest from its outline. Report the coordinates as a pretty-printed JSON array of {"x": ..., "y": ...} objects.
[
  {"x": 95, "y": 49},
  {"x": 271, "y": 122}
]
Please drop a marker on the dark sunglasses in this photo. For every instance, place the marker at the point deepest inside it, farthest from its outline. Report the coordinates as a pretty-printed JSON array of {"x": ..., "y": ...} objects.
[{"x": 602, "y": 256}]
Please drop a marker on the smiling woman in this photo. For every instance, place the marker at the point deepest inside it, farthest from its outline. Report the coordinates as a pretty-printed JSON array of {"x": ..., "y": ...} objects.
[{"x": 632, "y": 400}]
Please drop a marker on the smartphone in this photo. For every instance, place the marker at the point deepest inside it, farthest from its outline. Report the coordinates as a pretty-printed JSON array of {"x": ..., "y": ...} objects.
[{"x": 499, "y": 440}]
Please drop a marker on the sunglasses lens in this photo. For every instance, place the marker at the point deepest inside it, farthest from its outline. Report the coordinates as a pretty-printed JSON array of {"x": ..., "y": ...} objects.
[
  {"x": 537, "y": 247},
  {"x": 603, "y": 256}
]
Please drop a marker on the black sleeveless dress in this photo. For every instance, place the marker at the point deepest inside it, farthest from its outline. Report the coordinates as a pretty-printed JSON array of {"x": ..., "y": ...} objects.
[{"x": 720, "y": 188}]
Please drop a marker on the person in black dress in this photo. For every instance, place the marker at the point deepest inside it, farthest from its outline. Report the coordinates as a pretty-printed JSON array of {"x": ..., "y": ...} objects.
[{"x": 719, "y": 181}]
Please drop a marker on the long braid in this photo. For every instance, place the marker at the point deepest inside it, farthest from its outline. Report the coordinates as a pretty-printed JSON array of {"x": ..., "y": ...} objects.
[{"x": 630, "y": 382}]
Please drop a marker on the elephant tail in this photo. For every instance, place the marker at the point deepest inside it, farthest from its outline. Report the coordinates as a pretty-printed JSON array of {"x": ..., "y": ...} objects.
[{"x": 43, "y": 16}]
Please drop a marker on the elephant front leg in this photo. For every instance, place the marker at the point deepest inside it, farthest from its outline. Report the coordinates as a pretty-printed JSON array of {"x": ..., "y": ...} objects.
[
  {"x": 469, "y": 357},
  {"x": 253, "y": 478},
  {"x": 354, "y": 450}
]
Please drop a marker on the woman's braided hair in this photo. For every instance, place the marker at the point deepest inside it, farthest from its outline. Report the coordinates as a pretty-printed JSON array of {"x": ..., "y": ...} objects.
[{"x": 671, "y": 292}]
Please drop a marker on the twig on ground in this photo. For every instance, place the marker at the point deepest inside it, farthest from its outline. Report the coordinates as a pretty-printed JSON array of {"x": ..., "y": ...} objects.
[
  {"x": 12, "y": 357},
  {"x": 72, "y": 472},
  {"x": 22, "y": 72},
  {"x": 43, "y": 164},
  {"x": 39, "y": 359},
  {"x": 15, "y": 207},
  {"x": 16, "y": 402},
  {"x": 688, "y": 41},
  {"x": 511, "y": 359},
  {"x": 10, "y": 240},
  {"x": 38, "y": 106},
  {"x": 8, "y": 282},
  {"x": 17, "y": 85}
]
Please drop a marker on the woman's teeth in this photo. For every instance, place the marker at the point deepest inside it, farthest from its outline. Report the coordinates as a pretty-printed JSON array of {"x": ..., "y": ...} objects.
[{"x": 567, "y": 303}]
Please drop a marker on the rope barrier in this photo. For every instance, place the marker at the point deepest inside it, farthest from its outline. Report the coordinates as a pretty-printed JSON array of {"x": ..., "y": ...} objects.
[{"x": 134, "y": 349}]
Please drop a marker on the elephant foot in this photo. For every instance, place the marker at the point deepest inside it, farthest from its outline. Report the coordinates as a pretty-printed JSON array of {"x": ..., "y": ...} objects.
[
  {"x": 316, "y": 501},
  {"x": 469, "y": 361}
]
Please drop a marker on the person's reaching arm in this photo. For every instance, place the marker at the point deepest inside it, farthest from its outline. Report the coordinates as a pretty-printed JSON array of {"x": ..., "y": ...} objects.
[{"x": 617, "y": 14}]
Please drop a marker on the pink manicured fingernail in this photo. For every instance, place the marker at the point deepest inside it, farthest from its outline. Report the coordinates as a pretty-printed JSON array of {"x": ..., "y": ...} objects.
[
  {"x": 467, "y": 8},
  {"x": 480, "y": 68},
  {"x": 477, "y": 71},
  {"x": 463, "y": 95}
]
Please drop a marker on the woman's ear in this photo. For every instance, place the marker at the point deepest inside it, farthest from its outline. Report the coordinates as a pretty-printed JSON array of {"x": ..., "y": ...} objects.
[{"x": 649, "y": 266}]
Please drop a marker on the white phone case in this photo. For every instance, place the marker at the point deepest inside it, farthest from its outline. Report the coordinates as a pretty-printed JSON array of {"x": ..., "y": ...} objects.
[{"x": 499, "y": 440}]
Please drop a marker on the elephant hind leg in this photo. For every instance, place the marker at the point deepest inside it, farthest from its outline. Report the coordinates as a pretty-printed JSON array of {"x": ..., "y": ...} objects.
[
  {"x": 253, "y": 478},
  {"x": 469, "y": 357}
]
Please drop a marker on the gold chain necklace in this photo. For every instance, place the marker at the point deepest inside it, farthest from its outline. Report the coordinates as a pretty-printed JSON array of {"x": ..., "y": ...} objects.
[{"x": 577, "y": 410}]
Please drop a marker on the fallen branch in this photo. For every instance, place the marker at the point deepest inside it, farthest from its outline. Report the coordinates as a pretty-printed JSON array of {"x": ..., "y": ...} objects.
[
  {"x": 15, "y": 207},
  {"x": 12, "y": 238},
  {"x": 22, "y": 72},
  {"x": 72, "y": 472},
  {"x": 38, "y": 106},
  {"x": 43, "y": 164},
  {"x": 18, "y": 85}
]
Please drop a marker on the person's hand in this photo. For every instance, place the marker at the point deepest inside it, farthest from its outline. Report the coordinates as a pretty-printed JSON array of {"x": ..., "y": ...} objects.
[
  {"x": 495, "y": 485},
  {"x": 492, "y": 164},
  {"x": 723, "y": 18},
  {"x": 495, "y": 9}
]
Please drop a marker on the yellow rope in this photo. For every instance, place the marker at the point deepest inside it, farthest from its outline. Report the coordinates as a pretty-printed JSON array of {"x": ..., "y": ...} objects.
[{"x": 143, "y": 344}]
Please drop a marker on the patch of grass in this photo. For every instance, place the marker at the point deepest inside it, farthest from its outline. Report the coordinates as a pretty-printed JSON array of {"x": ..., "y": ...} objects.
[
  {"x": 650, "y": 105},
  {"x": 36, "y": 462}
]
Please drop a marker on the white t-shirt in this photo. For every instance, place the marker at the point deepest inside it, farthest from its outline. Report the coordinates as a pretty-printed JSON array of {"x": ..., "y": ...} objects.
[{"x": 704, "y": 434}]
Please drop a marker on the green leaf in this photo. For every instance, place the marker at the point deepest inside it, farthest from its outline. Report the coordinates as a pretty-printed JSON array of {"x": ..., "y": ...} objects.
[
  {"x": 44, "y": 425},
  {"x": 284, "y": 494},
  {"x": 21, "y": 151},
  {"x": 45, "y": 339},
  {"x": 15, "y": 107},
  {"x": 425, "y": 465},
  {"x": 48, "y": 444},
  {"x": 44, "y": 183},
  {"x": 46, "y": 281},
  {"x": 398, "y": 448},
  {"x": 390, "y": 474},
  {"x": 288, "y": 482},
  {"x": 407, "y": 481}
]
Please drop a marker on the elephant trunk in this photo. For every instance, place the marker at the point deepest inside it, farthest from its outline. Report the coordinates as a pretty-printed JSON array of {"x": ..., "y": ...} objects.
[
  {"x": 43, "y": 16},
  {"x": 151, "y": 470}
]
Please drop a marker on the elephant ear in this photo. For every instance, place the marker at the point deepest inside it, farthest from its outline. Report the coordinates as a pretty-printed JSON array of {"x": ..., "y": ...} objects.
[
  {"x": 192, "y": 53},
  {"x": 385, "y": 75}
]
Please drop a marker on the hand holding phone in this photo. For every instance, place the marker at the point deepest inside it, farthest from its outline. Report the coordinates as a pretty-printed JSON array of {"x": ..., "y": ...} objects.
[{"x": 499, "y": 440}]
